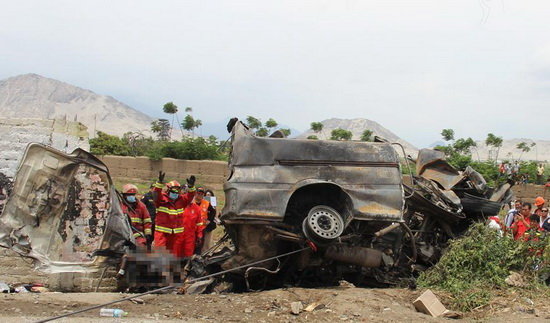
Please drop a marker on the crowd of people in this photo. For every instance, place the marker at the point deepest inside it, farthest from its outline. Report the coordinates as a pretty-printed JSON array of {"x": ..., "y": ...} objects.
[
  {"x": 522, "y": 222},
  {"x": 174, "y": 217},
  {"x": 513, "y": 171}
]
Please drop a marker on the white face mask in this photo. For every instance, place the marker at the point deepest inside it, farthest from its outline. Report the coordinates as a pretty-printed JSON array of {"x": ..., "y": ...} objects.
[
  {"x": 131, "y": 198},
  {"x": 173, "y": 195}
]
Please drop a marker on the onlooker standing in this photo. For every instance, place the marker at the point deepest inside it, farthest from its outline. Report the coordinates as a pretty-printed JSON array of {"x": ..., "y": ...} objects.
[
  {"x": 544, "y": 217},
  {"x": 501, "y": 168},
  {"x": 212, "y": 221},
  {"x": 539, "y": 203},
  {"x": 540, "y": 173},
  {"x": 515, "y": 168},
  {"x": 522, "y": 221},
  {"x": 509, "y": 219},
  {"x": 508, "y": 169},
  {"x": 546, "y": 222}
]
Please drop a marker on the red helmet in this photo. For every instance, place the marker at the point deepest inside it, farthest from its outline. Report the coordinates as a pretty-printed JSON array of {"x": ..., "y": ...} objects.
[{"x": 129, "y": 189}]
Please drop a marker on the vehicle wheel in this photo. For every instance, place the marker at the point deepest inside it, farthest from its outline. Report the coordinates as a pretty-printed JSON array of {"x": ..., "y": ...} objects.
[{"x": 323, "y": 224}]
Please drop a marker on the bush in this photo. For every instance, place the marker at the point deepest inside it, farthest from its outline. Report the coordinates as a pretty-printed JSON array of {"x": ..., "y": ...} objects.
[
  {"x": 105, "y": 144},
  {"x": 132, "y": 144},
  {"x": 188, "y": 148},
  {"x": 478, "y": 263}
]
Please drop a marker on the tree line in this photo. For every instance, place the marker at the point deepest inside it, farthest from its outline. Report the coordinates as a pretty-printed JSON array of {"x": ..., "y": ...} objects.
[{"x": 458, "y": 151}]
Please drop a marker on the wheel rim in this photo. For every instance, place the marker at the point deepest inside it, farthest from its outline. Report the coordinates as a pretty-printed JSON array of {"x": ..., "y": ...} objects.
[{"x": 324, "y": 222}]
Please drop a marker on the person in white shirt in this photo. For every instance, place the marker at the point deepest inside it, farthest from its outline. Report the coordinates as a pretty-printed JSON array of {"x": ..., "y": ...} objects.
[{"x": 509, "y": 218}]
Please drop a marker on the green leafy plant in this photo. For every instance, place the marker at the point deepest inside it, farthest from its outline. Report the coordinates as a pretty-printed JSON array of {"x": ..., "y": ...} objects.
[
  {"x": 340, "y": 134},
  {"x": 477, "y": 264}
]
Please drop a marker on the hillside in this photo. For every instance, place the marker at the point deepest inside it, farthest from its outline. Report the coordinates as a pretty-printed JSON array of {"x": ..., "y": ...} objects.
[
  {"x": 35, "y": 96},
  {"x": 357, "y": 126}
]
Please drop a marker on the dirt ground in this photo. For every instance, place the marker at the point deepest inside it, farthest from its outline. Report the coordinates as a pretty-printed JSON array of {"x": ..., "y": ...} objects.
[{"x": 334, "y": 304}]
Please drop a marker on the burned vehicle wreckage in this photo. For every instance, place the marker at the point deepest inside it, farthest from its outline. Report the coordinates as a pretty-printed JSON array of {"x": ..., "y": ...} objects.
[
  {"x": 346, "y": 201},
  {"x": 64, "y": 212}
]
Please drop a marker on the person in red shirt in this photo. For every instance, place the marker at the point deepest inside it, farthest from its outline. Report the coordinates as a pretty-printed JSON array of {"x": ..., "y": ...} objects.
[
  {"x": 169, "y": 224},
  {"x": 522, "y": 222},
  {"x": 137, "y": 214}
]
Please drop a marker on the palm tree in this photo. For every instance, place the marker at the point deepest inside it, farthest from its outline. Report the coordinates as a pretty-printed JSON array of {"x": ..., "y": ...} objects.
[
  {"x": 523, "y": 147},
  {"x": 495, "y": 142},
  {"x": 171, "y": 108}
]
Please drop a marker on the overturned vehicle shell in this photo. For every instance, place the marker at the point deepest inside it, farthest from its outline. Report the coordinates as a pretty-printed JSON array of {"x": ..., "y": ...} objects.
[
  {"x": 64, "y": 212},
  {"x": 347, "y": 201}
]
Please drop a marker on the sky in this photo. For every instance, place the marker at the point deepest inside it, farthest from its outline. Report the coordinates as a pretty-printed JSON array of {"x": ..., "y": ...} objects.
[{"x": 415, "y": 67}]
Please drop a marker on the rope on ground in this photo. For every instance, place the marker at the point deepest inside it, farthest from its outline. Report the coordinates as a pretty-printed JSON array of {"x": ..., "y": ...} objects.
[{"x": 171, "y": 286}]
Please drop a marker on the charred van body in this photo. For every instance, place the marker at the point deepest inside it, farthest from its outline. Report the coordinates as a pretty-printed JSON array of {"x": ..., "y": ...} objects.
[{"x": 348, "y": 200}]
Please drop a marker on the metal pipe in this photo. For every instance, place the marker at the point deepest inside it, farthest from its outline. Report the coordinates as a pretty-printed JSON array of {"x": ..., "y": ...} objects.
[
  {"x": 413, "y": 241},
  {"x": 360, "y": 256},
  {"x": 386, "y": 230}
]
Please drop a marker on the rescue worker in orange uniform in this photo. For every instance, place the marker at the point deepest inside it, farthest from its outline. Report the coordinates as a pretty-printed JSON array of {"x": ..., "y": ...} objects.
[
  {"x": 193, "y": 228},
  {"x": 138, "y": 215},
  {"x": 208, "y": 213},
  {"x": 169, "y": 226}
]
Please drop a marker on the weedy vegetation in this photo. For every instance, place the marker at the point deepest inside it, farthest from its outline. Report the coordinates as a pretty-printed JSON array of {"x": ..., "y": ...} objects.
[{"x": 474, "y": 267}]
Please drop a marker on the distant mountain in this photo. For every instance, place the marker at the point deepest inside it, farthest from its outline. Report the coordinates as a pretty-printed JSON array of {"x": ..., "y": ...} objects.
[
  {"x": 357, "y": 126},
  {"x": 437, "y": 143},
  {"x": 509, "y": 151},
  {"x": 35, "y": 96}
]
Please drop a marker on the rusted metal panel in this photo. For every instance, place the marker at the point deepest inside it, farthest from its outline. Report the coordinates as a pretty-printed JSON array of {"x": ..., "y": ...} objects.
[
  {"x": 431, "y": 164},
  {"x": 62, "y": 209}
]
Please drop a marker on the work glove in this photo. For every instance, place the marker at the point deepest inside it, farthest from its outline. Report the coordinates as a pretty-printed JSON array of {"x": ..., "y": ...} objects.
[
  {"x": 161, "y": 176},
  {"x": 191, "y": 181}
]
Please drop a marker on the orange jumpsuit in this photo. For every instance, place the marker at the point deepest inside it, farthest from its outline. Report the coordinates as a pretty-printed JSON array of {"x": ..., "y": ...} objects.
[
  {"x": 169, "y": 225},
  {"x": 204, "y": 205},
  {"x": 193, "y": 229},
  {"x": 140, "y": 220}
]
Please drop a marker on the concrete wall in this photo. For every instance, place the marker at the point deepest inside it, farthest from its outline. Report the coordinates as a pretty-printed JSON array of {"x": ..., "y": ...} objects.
[
  {"x": 528, "y": 192},
  {"x": 209, "y": 173},
  {"x": 16, "y": 134}
]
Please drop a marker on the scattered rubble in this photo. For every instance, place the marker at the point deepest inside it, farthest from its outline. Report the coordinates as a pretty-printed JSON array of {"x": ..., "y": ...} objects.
[
  {"x": 428, "y": 303},
  {"x": 516, "y": 280},
  {"x": 296, "y": 307}
]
